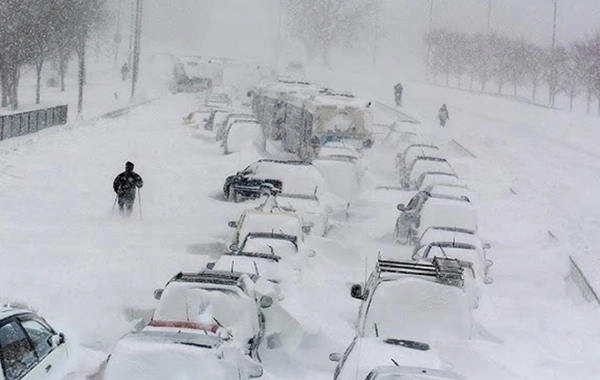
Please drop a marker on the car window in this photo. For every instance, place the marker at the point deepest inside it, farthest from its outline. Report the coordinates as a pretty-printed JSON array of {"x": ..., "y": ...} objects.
[
  {"x": 15, "y": 351},
  {"x": 40, "y": 337}
]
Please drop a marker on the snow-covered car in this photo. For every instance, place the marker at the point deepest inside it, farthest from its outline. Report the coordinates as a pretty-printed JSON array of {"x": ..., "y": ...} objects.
[
  {"x": 280, "y": 222},
  {"x": 458, "y": 190},
  {"x": 338, "y": 151},
  {"x": 417, "y": 301},
  {"x": 178, "y": 353},
  {"x": 407, "y": 158},
  {"x": 215, "y": 301},
  {"x": 378, "y": 358},
  {"x": 221, "y": 132},
  {"x": 455, "y": 243},
  {"x": 215, "y": 120},
  {"x": 314, "y": 214},
  {"x": 424, "y": 165},
  {"x": 266, "y": 265},
  {"x": 430, "y": 179},
  {"x": 429, "y": 210},
  {"x": 219, "y": 101},
  {"x": 245, "y": 136},
  {"x": 293, "y": 177},
  {"x": 30, "y": 349},
  {"x": 342, "y": 177}
]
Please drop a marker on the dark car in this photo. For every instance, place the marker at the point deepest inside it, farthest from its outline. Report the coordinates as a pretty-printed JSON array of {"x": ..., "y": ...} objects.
[{"x": 263, "y": 176}]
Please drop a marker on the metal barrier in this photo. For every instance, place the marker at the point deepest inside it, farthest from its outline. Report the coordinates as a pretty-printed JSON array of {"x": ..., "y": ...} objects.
[{"x": 24, "y": 123}]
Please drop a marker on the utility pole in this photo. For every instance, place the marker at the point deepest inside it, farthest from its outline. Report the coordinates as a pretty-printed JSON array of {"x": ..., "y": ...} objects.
[
  {"x": 555, "y": 2},
  {"x": 376, "y": 36},
  {"x": 136, "y": 46},
  {"x": 279, "y": 26},
  {"x": 118, "y": 36},
  {"x": 489, "y": 18},
  {"x": 131, "y": 33}
]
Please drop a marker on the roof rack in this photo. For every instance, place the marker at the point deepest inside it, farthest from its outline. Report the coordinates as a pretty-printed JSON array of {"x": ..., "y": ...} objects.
[
  {"x": 210, "y": 277},
  {"x": 445, "y": 271},
  {"x": 266, "y": 256}
]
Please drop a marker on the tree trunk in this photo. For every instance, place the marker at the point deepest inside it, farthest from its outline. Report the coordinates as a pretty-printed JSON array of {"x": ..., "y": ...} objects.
[
  {"x": 589, "y": 101},
  {"x": 571, "y": 98},
  {"x": 515, "y": 89},
  {"x": 62, "y": 69},
  {"x": 471, "y": 82},
  {"x": 534, "y": 92},
  {"x": 81, "y": 56},
  {"x": 500, "y": 85},
  {"x": 447, "y": 77},
  {"x": 460, "y": 80},
  {"x": 38, "y": 84},
  {"x": 4, "y": 85}
]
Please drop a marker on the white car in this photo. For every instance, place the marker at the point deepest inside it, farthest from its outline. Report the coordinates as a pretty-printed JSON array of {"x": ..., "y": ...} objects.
[
  {"x": 245, "y": 136},
  {"x": 423, "y": 165},
  {"x": 178, "y": 353},
  {"x": 30, "y": 349},
  {"x": 379, "y": 358},
  {"x": 406, "y": 159},
  {"x": 455, "y": 243},
  {"x": 280, "y": 222},
  {"x": 314, "y": 214},
  {"x": 221, "y": 132},
  {"x": 214, "y": 301},
  {"x": 417, "y": 301},
  {"x": 426, "y": 210}
]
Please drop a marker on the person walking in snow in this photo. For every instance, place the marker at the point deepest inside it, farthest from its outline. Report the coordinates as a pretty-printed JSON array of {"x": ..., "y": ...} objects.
[
  {"x": 443, "y": 115},
  {"x": 124, "y": 72},
  {"x": 125, "y": 185},
  {"x": 398, "y": 89}
]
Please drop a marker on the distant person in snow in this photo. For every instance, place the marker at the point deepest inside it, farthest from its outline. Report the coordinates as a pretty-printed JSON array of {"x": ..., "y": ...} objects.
[
  {"x": 125, "y": 185},
  {"x": 398, "y": 94},
  {"x": 124, "y": 72},
  {"x": 443, "y": 115}
]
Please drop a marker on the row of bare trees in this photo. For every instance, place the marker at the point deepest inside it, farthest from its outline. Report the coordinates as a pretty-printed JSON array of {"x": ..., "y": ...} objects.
[
  {"x": 34, "y": 32},
  {"x": 499, "y": 60}
]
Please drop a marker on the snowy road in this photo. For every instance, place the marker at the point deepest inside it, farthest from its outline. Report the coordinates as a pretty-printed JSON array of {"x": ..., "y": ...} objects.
[{"x": 65, "y": 253}]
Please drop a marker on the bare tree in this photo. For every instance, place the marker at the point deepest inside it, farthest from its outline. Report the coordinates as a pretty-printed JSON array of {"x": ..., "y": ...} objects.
[{"x": 324, "y": 24}]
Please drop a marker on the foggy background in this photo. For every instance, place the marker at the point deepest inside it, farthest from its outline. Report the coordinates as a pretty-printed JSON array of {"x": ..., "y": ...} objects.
[{"x": 249, "y": 28}]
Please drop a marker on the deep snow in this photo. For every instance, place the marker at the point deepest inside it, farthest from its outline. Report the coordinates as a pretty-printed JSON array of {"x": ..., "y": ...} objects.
[{"x": 65, "y": 253}]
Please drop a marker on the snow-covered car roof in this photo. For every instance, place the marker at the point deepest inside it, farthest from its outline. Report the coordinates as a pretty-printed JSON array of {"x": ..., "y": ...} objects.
[
  {"x": 265, "y": 266},
  {"x": 287, "y": 223},
  {"x": 451, "y": 190},
  {"x": 297, "y": 177},
  {"x": 432, "y": 179},
  {"x": 6, "y": 312},
  {"x": 159, "y": 355},
  {"x": 339, "y": 151},
  {"x": 448, "y": 212},
  {"x": 422, "y": 165},
  {"x": 372, "y": 352},
  {"x": 245, "y": 136},
  {"x": 424, "y": 151},
  {"x": 299, "y": 203}
]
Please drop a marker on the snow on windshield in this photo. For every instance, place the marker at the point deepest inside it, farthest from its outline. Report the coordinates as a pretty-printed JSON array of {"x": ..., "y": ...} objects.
[
  {"x": 417, "y": 309},
  {"x": 296, "y": 179},
  {"x": 159, "y": 361},
  {"x": 279, "y": 247},
  {"x": 448, "y": 213},
  {"x": 279, "y": 223},
  {"x": 245, "y": 136},
  {"x": 187, "y": 302}
]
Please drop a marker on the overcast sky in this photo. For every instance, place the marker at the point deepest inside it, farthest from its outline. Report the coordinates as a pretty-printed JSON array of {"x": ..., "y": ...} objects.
[{"x": 249, "y": 27}]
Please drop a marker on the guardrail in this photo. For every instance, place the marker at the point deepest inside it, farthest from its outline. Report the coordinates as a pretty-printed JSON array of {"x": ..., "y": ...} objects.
[{"x": 24, "y": 123}]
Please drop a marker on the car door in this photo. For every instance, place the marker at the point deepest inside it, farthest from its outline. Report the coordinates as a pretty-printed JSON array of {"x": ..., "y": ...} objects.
[
  {"x": 18, "y": 357},
  {"x": 49, "y": 348}
]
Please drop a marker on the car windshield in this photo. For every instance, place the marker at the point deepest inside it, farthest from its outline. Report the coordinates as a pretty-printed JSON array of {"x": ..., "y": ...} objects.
[
  {"x": 418, "y": 309},
  {"x": 296, "y": 179},
  {"x": 270, "y": 222},
  {"x": 278, "y": 247}
]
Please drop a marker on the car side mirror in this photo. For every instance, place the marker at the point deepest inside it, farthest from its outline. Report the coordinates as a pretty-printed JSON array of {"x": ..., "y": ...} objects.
[
  {"x": 55, "y": 340},
  {"x": 306, "y": 229},
  {"x": 232, "y": 224},
  {"x": 312, "y": 253},
  {"x": 158, "y": 293},
  {"x": 335, "y": 357},
  {"x": 210, "y": 265},
  {"x": 234, "y": 247},
  {"x": 401, "y": 207},
  {"x": 356, "y": 291},
  {"x": 487, "y": 246},
  {"x": 62, "y": 339},
  {"x": 266, "y": 302}
]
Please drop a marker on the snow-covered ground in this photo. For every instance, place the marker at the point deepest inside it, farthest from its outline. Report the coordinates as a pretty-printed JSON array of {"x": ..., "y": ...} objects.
[{"x": 67, "y": 254}]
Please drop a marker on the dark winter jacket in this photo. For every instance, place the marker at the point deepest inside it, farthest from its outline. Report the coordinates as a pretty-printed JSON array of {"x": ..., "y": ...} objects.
[
  {"x": 398, "y": 89},
  {"x": 126, "y": 183}
]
